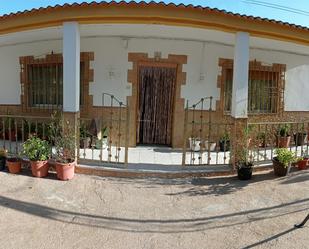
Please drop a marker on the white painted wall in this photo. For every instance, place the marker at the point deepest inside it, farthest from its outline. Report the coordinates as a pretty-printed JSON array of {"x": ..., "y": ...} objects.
[
  {"x": 112, "y": 56},
  {"x": 297, "y": 77},
  {"x": 10, "y": 89}
]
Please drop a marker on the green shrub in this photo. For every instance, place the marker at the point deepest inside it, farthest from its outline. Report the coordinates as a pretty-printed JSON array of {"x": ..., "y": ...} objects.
[
  {"x": 36, "y": 149},
  {"x": 63, "y": 136},
  {"x": 284, "y": 130},
  {"x": 285, "y": 156}
]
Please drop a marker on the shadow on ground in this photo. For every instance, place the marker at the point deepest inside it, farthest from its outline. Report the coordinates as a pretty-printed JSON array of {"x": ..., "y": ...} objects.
[
  {"x": 300, "y": 176},
  {"x": 220, "y": 186},
  {"x": 137, "y": 225}
]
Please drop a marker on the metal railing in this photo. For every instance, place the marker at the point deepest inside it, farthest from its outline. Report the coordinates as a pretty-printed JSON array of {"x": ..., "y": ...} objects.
[
  {"x": 14, "y": 130},
  {"x": 105, "y": 138},
  {"x": 265, "y": 137},
  {"x": 206, "y": 142}
]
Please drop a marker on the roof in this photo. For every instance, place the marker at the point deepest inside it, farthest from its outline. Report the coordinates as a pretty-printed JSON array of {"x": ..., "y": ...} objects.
[
  {"x": 189, "y": 6},
  {"x": 154, "y": 13}
]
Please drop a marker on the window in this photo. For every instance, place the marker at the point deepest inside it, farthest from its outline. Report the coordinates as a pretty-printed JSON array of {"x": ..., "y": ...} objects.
[
  {"x": 42, "y": 82},
  {"x": 45, "y": 83},
  {"x": 264, "y": 87}
]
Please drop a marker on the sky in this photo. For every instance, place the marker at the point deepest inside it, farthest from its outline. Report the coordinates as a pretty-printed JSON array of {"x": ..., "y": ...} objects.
[{"x": 284, "y": 10}]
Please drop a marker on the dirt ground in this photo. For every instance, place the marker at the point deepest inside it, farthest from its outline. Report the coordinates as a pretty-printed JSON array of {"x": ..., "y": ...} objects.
[{"x": 95, "y": 212}]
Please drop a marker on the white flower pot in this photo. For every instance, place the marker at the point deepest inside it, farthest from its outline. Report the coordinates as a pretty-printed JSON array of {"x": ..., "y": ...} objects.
[
  {"x": 210, "y": 145},
  {"x": 195, "y": 144}
]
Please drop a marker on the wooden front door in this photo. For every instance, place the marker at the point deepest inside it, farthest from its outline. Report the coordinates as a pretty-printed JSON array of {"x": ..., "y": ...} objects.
[{"x": 156, "y": 102}]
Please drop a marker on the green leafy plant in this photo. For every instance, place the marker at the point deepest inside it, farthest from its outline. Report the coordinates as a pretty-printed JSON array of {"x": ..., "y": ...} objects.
[
  {"x": 83, "y": 131},
  {"x": 104, "y": 132},
  {"x": 248, "y": 129},
  {"x": 225, "y": 137},
  {"x": 285, "y": 156},
  {"x": 261, "y": 136},
  {"x": 242, "y": 151},
  {"x": 36, "y": 149},
  {"x": 284, "y": 130},
  {"x": 63, "y": 137}
]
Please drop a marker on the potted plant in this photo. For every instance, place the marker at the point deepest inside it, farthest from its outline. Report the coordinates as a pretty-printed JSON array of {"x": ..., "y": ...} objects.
[
  {"x": 302, "y": 162},
  {"x": 195, "y": 143},
  {"x": 211, "y": 146},
  {"x": 3, "y": 156},
  {"x": 247, "y": 130},
  {"x": 63, "y": 136},
  {"x": 261, "y": 137},
  {"x": 284, "y": 138},
  {"x": 300, "y": 137},
  {"x": 14, "y": 164},
  {"x": 84, "y": 137},
  {"x": 224, "y": 142},
  {"x": 244, "y": 166},
  {"x": 102, "y": 141},
  {"x": 38, "y": 152},
  {"x": 282, "y": 162}
]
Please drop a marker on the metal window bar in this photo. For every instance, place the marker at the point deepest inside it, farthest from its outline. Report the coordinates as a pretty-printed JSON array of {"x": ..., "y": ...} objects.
[{"x": 263, "y": 90}]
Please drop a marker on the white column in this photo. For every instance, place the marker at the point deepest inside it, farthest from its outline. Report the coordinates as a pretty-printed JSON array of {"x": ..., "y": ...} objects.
[
  {"x": 240, "y": 76},
  {"x": 71, "y": 67}
]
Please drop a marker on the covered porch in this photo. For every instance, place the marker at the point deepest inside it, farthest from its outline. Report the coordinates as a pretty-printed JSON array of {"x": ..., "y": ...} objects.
[{"x": 90, "y": 72}]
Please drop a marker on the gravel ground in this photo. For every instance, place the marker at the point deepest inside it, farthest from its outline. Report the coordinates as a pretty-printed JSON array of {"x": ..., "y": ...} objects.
[{"x": 94, "y": 212}]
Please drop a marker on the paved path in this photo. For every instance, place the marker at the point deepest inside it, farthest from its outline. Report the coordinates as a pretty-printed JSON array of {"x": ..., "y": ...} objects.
[{"x": 94, "y": 212}]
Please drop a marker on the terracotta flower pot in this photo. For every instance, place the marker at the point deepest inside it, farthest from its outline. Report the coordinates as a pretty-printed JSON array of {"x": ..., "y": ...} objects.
[
  {"x": 39, "y": 168},
  {"x": 14, "y": 165},
  {"x": 302, "y": 164},
  {"x": 65, "y": 171},
  {"x": 283, "y": 142}
]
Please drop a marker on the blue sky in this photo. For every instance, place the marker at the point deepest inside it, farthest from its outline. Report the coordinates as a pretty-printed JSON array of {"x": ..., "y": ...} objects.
[{"x": 285, "y": 10}]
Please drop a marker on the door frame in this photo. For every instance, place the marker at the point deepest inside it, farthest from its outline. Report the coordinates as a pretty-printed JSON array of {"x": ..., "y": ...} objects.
[
  {"x": 160, "y": 65},
  {"x": 179, "y": 111}
]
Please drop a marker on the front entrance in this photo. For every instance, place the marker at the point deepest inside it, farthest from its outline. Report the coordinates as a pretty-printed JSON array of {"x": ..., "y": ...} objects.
[{"x": 156, "y": 104}]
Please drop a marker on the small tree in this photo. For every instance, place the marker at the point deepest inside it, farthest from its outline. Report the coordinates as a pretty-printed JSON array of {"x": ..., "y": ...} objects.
[{"x": 62, "y": 134}]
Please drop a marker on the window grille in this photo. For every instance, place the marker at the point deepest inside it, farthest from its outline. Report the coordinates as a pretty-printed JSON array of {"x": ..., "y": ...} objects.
[
  {"x": 45, "y": 85},
  {"x": 263, "y": 90}
]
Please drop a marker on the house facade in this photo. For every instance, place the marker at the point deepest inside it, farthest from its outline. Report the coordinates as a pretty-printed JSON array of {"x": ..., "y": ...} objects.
[{"x": 155, "y": 59}]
